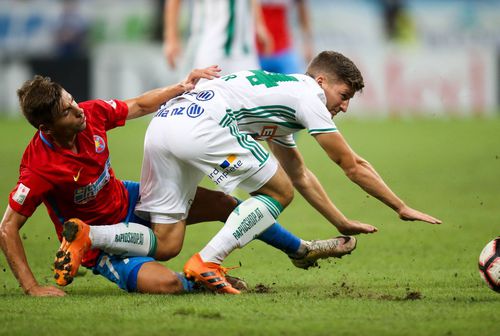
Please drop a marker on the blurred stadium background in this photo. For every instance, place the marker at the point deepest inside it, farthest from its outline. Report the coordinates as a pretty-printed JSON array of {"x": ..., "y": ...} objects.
[{"x": 420, "y": 58}]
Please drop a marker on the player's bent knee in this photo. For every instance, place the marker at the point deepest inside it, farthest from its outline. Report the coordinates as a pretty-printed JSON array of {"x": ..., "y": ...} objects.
[{"x": 164, "y": 253}]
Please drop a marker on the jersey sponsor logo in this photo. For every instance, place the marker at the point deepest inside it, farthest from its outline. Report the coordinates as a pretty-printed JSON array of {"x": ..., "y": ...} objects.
[
  {"x": 89, "y": 192},
  {"x": 205, "y": 95},
  {"x": 194, "y": 110},
  {"x": 112, "y": 103},
  {"x": 230, "y": 159},
  {"x": 21, "y": 193},
  {"x": 267, "y": 132},
  {"x": 163, "y": 112},
  {"x": 100, "y": 145},
  {"x": 77, "y": 176},
  {"x": 230, "y": 165}
]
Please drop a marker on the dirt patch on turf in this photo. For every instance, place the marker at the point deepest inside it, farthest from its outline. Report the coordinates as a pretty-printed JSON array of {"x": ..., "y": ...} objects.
[
  {"x": 260, "y": 288},
  {"x": 413, "y": 296},
  {"x": 349, "y": 291}
]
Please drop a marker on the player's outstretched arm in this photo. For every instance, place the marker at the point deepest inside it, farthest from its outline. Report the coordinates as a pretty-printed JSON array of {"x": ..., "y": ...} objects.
[
  {"x": 363, "y": 174},
  {"x": 311, "y": 189},
  {"x": 12, "y": 247},
  {"x": 150, "y": 101}
]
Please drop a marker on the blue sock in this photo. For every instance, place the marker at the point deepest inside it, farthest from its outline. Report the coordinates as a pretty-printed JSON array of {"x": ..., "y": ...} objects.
[
  {"x": 279, "y": 237},
  {"x": 187, "y": 284}
]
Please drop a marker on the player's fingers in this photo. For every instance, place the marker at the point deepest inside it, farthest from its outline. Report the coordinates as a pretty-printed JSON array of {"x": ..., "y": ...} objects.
[{"x": 433, "y": 220}]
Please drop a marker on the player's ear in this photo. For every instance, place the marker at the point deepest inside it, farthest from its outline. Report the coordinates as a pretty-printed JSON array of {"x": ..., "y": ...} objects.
[{"x": 320, "y": 79}]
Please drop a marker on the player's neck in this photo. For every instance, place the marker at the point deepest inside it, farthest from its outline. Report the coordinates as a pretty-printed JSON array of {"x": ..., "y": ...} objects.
[{"x": 66, "y": 141}]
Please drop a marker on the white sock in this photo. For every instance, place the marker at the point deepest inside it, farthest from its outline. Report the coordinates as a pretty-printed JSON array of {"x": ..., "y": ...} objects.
[
  {"x": 245, "y": 223},
  {"x": 301, "y": 251},
  {"x": 129, "y": 240}
]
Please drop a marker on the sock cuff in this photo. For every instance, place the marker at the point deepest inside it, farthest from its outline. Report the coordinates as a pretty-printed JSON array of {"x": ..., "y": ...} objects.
[
  {"x": 271, "y": 204},
  {"x": 153, "y": 244},
  {"x": 187, "y": 284}
]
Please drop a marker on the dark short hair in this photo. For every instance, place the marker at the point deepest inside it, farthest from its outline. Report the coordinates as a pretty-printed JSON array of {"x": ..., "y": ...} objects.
[
  {"x": 40, "y": 100},
  {"x": 338, "y": 67}
]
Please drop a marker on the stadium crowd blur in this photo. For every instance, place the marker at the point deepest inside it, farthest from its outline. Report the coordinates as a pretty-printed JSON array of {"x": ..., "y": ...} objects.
[{"x": 419, "y": 58}]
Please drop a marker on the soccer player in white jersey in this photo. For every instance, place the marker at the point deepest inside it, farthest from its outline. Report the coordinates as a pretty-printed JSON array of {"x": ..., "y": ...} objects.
[
  {"x": 222, "y": 32},
  {"x": 213, "y": 131}
]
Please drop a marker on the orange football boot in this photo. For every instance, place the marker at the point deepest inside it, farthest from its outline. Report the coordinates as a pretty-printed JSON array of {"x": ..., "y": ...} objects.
[
  {"x": 75, "y": 243},
  {"x": 211, "y": 275}
]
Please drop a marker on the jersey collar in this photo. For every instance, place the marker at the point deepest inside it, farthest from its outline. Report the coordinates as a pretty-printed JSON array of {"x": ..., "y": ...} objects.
[{"x": 44, "y": 139}]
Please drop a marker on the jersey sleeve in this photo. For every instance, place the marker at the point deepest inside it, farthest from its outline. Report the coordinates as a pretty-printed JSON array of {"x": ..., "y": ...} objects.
[
  {"x": 112, "y": 112},
  {"x": 28, "y": 193},
  {"x": 314, "y": 115}
]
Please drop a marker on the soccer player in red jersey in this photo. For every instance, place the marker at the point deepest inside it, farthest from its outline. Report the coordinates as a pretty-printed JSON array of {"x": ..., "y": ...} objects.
[{"x": 66, "y": 166}]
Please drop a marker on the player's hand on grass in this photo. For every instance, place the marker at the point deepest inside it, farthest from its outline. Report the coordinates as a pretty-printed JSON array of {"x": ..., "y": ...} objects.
[
  {"x": 38, "y": 290},
  {"x": 194, "y": 76},
  {"x": 408, "y": 214},
  {"x": 353, "y": 227}
]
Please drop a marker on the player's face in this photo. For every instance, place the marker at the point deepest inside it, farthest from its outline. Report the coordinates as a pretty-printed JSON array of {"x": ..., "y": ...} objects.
[
  {"x": 71, "y": 118},
  {"x": 338, "y": 95}
]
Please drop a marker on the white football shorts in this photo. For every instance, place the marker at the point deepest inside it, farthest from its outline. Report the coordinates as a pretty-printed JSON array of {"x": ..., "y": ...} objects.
[{"x": 183, "y": 144}]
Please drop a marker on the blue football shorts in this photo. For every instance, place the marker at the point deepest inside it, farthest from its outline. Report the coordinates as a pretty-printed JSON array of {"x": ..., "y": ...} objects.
[{"x": 124, "y": 270}]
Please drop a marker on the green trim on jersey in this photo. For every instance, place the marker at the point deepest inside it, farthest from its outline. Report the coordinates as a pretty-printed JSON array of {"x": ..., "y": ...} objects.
[
  {"x": 228, "y": 45},
  {"x": 322, "y": 130},
  {"x": 266, "y": 111},
  {"x": 227, "y": 119},
  {"x": 243, "y": 139},
  {"x": 293, "y": 126}
]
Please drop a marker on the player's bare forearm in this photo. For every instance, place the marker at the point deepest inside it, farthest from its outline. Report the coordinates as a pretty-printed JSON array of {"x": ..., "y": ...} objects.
[
  {"x": 12, "y": 247},
  {"x": 364, "y": 175},
  {"x": 150, "y": 101},
  {"x": 368, "y": 179},
  {"x": 312, "y": 190}
]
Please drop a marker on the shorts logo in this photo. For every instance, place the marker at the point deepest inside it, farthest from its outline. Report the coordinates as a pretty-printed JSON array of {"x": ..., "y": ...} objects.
[
  {"x": 205, "y": 95},
  {"x": 100, "y": 145},
  {"x": 228, "y": 161},
  {"x": 229, "y": 166},
  {"x": 21, "y": 193},
  {"x": 194, "y": 111}
]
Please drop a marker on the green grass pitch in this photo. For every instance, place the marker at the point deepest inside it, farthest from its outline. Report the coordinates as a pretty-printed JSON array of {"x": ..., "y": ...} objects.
[{"x": 408, "y": 279}]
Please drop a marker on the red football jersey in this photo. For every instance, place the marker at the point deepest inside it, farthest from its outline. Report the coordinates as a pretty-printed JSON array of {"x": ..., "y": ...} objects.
[
  {"x": 276, "y": 20},
  {"x": 81, "y": 185}
]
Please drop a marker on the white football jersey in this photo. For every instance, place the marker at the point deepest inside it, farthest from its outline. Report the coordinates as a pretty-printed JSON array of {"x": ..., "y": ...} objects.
[
  {"x": 266, "y": 105},
  {"x": 222, "y": 33}
]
